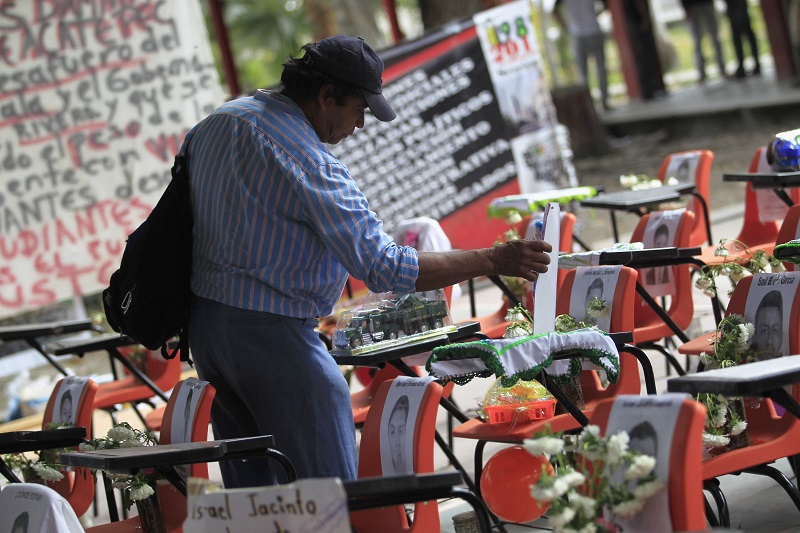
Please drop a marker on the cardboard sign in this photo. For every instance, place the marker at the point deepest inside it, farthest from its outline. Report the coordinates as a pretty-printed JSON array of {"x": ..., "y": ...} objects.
[
  {"x": 590, "y": 282},
  {"x": 650, "y": 424},
  {"x": 660, "y": 232},
  {"x": 398, "y": 422},
  {"x": 318, "y": 505},
  {"x": 544, "y": 290},
  {"x": 769, "y": 305},
  {"x": 65, "y": 409}
]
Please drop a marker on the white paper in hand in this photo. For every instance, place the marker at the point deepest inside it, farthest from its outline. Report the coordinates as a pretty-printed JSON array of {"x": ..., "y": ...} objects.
[{"x": 544, "y": 290}]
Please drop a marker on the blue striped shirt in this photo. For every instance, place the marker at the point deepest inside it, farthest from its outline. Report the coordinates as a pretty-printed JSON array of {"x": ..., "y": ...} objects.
[{"x": 278, "y": 220}]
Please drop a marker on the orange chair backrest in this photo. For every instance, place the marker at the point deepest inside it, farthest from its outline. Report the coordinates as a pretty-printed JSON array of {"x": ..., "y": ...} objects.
[
  {"x": 789, "y": 231},
  {"x": 685, "y": 489},
  {"x": 77, "y": 486},
  {"x": 622, "y": 320},
  {"x": 393, "y": 519},
  {"x": 186, "y": 419},
  {"x": 681, "y": 306},
  {"x": 702, "y": 179}
]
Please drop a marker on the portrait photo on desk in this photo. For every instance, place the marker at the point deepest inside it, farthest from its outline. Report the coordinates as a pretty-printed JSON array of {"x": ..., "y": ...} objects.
[
  {"x": 662, "y": 226},
  {"x": 397, "y": 424},
  {"x": 650, "y": 423},
  {"x": 594, "y": 282},
  {"x": 65, "y": 407},
  {"x": 768, "y": 308},
  {"x": 682, "y": 167}
]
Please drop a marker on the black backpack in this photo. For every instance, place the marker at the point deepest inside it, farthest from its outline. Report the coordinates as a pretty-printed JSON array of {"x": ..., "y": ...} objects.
[{"x": 148, "y": 296}]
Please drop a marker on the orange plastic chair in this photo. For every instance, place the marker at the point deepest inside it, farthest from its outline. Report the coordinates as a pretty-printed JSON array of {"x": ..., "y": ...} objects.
[
  {"x": 494, "y": 325},
  {"x": 772, "y": 437},
  {"x": 622, "y": 320},
  {"x": 394, "y": 519},
  {"x": 757, "y": 235},
  {"x": 788, "y": 231},
  {"x": 164, "y": 373},
  {"x": 77, "y": 486},
  {"x": 177, "y": 416},
  {"x": 702, "y": 179},
  {"x": 685, "y": 486},
  {"x": 649, "y": 327}
]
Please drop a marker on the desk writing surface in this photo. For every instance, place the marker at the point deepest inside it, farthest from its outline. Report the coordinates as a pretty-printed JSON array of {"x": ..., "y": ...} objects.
[
  {"x": 765, "y": 180},
  {"x": 99, "y": 342},
  {"x": 751, "y": 379},
  {"x": 32, "y": 331},
  {"x": 372, "y": 486},
  {"x": 28, "y": 441},
  {"x": 126, "y": 459},
  {"x": 649, "y": 256},
  {"x": 629, "y": 199}
]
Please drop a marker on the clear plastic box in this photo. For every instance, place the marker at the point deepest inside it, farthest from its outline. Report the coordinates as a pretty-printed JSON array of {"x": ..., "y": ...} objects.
[{"x": 389, "y": 319}]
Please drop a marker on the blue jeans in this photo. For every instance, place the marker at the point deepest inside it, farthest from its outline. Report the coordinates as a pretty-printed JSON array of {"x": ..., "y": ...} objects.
[{"x": 273, "y": 376}]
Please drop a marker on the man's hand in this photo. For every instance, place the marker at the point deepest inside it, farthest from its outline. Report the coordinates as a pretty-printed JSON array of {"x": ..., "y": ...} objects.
[{"x": 522, "y": 258}]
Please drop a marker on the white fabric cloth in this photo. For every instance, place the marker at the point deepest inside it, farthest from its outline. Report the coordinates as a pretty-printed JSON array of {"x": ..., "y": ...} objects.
[
  {"x": 31, "y": 508},
  {"x": 520, "y": 354}
]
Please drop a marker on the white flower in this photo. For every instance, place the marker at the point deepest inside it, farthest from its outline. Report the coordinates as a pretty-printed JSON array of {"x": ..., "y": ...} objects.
[
  {"x": 141, "y": 492},
  {"x": 702, "y": 283},
  {"x": 721, "y": 251},
  {"x": 646, "y": 490},
  {"x": 778, "y": 267},
  {"x": 513, "y": 217},
  {"x": 672, "y": 180},
  {"x": 720, "y": 417},
  {"x": 715, "y": 440},
  {"x": 584, "y": 504},
  {"x": 86, "y": 447},
  {"x": 628, "y": 508},
  {"x": 737, "y": 276},
  {"x": 704, "y": 358},
  {"x": 563, "y": 518},
  {"x": 121, "y": 433},
  {"x": 763, "y": 261},
  {"x": 573, "y": 479},
  {"x": 546, "y": 446},
  {"x": 628, "y": 180},
  {"x": 642, "y": 466},
  {"x": 47, "y": 473},
  {"x": 597, "y": 313},
  {"x": 617, "y": 446},
  {"x": 710, "y": 293},
  {"x": 743, "y": 340},
  {"x": 751, "y": 329},
  {"x": 548, "y": 493},
  {"x": 738, "y": 427},
  {"x": 130, "y": 443},
  {"x": 591, "y": 429}
]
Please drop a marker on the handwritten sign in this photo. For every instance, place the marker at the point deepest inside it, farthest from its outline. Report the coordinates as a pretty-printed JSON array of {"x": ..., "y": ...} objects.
[
  {"x": 95, "y": 100},
  {"x": 318, "y": 505}
]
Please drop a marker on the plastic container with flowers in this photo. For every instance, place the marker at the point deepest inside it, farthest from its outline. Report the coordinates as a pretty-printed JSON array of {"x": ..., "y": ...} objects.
[
  {"x": 637, "y": 182},
  {"x": 597, "y": 480},
  {"x": 136, "y": 489},
  {"x": 740, "y": 261},
  {"x": 726, "y": 422}
]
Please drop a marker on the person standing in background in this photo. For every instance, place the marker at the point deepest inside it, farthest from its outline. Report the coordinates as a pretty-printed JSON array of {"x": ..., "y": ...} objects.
[
  {"x": 739, "y": 17},
  {"x": 588, "y": 40},
  {"x": 702, "y": 17}
]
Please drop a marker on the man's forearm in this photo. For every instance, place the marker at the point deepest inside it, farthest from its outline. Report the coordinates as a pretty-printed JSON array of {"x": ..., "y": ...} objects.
[{"x": 441, "y": 269}]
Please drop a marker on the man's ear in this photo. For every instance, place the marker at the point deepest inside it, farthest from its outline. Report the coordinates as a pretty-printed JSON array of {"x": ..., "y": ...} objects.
[{"x": 325, "y": 98}]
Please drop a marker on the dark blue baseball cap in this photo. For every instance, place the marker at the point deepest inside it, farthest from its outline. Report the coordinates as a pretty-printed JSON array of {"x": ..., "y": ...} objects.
[{"x": 351, "y": 60}]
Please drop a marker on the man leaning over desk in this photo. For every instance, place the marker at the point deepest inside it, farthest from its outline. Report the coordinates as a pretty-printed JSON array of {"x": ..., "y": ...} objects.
[{"x": 279, "y": 224}]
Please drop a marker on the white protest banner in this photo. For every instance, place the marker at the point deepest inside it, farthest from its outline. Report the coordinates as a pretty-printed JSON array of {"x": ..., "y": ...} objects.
[{"x": 95, "y": 100}]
